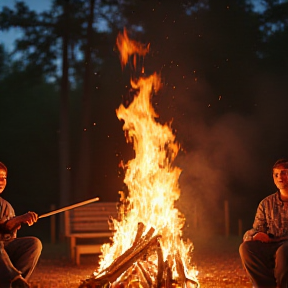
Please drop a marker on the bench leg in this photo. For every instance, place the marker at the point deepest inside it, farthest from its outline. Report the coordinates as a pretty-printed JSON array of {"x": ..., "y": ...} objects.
[
  {"x": 77, "y": 258},
  {"x": 72, "y": 248}
]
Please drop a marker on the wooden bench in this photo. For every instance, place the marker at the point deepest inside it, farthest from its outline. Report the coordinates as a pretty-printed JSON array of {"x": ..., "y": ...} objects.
[{"x": 89, "y": 223}]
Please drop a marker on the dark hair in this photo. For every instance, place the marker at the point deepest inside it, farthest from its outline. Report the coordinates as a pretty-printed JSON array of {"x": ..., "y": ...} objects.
[
  {"x": 3, "y": 167},
  {"x": 281, "y": 162}
]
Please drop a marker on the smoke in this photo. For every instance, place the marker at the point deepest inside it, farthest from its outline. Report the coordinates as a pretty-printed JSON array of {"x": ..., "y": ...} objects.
[
  {"x": 229, "y": 158},
  {"x": 222, "y": 156}
]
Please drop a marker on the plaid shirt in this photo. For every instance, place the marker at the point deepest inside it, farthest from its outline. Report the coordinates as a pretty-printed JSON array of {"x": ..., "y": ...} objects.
[{"x": 272, "y": 216}]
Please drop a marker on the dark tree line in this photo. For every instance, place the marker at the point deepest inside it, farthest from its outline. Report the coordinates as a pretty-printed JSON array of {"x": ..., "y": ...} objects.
[{"x": 61, "y": 85}]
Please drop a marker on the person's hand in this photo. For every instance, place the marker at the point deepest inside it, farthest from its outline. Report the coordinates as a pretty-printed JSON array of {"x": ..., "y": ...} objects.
[
  {"x": 263, "y": 237},
  {"x": 30, "y": 218},
  {"x": 15, "y": 223},
  {"x": 248, "y": 236}
]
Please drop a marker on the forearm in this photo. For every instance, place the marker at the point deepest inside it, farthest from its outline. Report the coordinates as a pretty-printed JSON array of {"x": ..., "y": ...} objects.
[
  {"x": 4, "y": 229},
  {"x": 14, "y": 223},
  {"x": 249, "y": 234}
]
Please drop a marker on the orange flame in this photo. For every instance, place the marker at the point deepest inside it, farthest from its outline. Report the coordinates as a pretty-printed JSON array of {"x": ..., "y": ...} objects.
[
  {"x": 128, "y": 47},
  {"x": 151, "y": 178}
]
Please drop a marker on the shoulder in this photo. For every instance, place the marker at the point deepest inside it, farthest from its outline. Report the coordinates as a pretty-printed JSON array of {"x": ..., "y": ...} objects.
[
  {"x": 6, "y": 208},
  {"x": 271, "y": 198},
  {"x": 3, "y": 202}
]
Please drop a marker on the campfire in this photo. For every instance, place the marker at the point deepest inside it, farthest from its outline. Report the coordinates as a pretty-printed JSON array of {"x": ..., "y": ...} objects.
[{"x": 147, "y": 248}]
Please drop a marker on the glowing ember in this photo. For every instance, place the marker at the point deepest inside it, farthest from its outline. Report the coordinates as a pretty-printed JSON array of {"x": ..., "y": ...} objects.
[{"x": 152, "y": 182}]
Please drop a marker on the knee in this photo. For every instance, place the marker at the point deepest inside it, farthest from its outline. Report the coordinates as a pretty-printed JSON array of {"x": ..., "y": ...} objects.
[
  {"x": 282, "y": 251},
  {"x": 243, "y": 248},
  {"x": 36, "y": 244},
  {"x": 281, "y": 265},
  {"x": 247, "y": 249}
]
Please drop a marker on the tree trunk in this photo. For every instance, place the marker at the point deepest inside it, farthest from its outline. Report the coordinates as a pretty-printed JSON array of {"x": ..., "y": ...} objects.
[
  {"x": 83, "y": 175},
  {"x": 64, "y": 143}
]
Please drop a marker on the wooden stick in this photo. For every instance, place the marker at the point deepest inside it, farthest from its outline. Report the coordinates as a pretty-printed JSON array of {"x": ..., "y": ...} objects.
[
  {"x": 69, "y": 207},
  {"x": 160, "y": 266}
]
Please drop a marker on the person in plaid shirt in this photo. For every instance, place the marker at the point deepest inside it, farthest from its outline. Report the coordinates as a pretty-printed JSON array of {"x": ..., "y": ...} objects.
[{"x": 264, "y": 250}]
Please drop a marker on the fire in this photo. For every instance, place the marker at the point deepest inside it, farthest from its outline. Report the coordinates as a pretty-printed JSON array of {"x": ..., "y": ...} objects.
[{"x": 151, "y": 178}]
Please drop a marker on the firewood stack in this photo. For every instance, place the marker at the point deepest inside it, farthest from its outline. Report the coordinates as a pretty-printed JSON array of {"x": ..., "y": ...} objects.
[{"x": 142, "y": 265}]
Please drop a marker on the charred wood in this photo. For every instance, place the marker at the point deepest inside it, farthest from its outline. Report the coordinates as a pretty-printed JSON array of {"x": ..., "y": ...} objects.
[
  {"x": 180, "y": 270},
  {"x": 136, "y": 242},
  {"x": 145, "y": 274},
  {"x": 142, "y": 278},
  {"x": 114, "y": 273},
  {"x": 167, "y": 275},
  {"x": 140, "y": 231},
  {"x": 160, "y": 266},
  {"x": 148, "y": 235}
]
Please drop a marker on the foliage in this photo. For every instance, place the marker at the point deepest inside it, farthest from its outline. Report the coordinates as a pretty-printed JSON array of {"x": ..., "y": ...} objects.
[
  {"x": 29, "y": 124},
  {"x": 274, "y": 23}
]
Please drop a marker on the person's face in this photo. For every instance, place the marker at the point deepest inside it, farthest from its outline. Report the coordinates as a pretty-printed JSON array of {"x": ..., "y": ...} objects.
[
  {"x": 280, "y": 176},
  {"x": 3, "y": 180}
]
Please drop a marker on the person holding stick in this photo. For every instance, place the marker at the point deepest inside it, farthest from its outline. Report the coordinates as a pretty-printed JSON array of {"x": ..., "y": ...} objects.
[
  {"x": 264, "y": 250},
  {"x": 18, "y": 256}
]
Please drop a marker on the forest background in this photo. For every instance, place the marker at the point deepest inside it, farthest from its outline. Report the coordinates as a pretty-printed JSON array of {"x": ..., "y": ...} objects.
[{"x": 224, "y": 70}]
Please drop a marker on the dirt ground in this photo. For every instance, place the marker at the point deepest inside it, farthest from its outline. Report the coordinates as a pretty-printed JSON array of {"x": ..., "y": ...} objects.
[{"x": 216, "y": 259}]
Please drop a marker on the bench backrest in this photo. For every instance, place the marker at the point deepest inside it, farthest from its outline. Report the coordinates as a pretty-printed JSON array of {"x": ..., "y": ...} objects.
[{"x": 91, "y": 218}]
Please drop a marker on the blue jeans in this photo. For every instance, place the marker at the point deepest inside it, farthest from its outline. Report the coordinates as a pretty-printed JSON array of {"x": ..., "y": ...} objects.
[
  {"x": 266, "y": 263},
  {"x": 18, "y": 256}
]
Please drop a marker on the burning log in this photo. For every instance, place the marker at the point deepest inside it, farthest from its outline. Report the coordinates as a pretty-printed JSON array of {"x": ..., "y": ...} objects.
[
  {"x": 180, "y": 269},
  {"x": 160, "y": 266},
  {"x": 136, "y": 269},
  {"x": 140, "y": 231},
  {"x": 121, "y": 264},
  {"x": 146, "y": 275},
  {"x": 137, "y": 241},
  {"x": 183, "y": 280},
  {"x": 167, "y": 275},
  {"x": 135, "y": 278},
  {"x": 114, "y": 273}
]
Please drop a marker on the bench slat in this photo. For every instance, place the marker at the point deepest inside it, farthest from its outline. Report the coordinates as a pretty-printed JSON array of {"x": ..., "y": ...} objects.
[{"x": 94, "y": 228}]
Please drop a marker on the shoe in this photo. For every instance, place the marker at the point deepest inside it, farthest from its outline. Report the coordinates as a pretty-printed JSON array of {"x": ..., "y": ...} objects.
[{"x": 19, "y": 282}]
